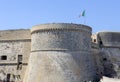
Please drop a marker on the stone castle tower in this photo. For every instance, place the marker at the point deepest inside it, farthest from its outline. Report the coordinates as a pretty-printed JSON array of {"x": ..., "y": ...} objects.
[{"x": 59, "y": 52}]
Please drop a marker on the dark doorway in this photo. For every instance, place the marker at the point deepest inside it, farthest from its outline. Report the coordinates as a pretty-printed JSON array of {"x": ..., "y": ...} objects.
[{"x": 8, "y": 78}]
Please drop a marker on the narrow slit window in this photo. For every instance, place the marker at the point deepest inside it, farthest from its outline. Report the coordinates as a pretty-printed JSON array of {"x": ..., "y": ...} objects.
[
  {"x": 8, "y": 78},
  {"x": 19, "y": 65},
  {"x": 94, "y": 40},
  {"x": 101, "y": 43}
]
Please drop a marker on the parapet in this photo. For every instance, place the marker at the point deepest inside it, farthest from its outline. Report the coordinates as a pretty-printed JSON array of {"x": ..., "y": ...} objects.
[
  {"x": 56, "y": 37},
  {"x": 60, "y": 26},
  {"x": 9, "y": 35},
  {"x": 109, "y": 39}
]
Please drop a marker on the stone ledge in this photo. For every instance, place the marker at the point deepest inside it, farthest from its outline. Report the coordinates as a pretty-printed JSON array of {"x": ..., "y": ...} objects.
[{"x": 60, "y": 26}]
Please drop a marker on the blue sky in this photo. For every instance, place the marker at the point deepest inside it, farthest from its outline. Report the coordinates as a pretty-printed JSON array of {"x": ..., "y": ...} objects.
[{"x": 101, "y": 15}]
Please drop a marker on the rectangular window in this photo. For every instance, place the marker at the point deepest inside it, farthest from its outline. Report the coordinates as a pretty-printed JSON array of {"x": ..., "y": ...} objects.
[
  {"x": 8, "y": 78},
  {"x": 4, "y": 57},
  {"x": 19, "y": 58},
  {"x": 19, "y": 66}
]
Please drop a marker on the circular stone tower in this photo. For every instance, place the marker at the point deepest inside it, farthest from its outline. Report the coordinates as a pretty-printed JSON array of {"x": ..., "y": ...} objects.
[{"x": 60, "y": 53}]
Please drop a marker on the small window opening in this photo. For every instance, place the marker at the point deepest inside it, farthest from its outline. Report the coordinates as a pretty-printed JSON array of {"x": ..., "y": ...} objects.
[
  {"x": 94, "y": 40},
  {"x": 104, "y": 59},
  {"x": 101, "y": 43},
  {"x": 4, "y": 57},
  {"x": 16, "y": 77},
  {"x": 20, "y": 62}
]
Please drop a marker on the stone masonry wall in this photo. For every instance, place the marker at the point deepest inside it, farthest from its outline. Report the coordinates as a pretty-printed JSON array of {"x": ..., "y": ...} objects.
[
  {"x": 14, "y": 54},
  {"x": 59, "y": 53},
  {"x": 109, "y": 52}
]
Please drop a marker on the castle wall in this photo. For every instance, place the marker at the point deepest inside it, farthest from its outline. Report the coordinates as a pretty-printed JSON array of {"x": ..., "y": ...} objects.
[
  {"x": 60, "y": 53},
  {"x": 98, "y": 60},
  {"x": 110, "y": 51},
  {"x": 109, "y": 39},
  {"x": 14, "y": 54}
]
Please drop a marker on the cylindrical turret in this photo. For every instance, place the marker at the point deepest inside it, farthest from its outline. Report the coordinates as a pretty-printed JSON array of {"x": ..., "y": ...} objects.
[{"x": 60, "y": 53}]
